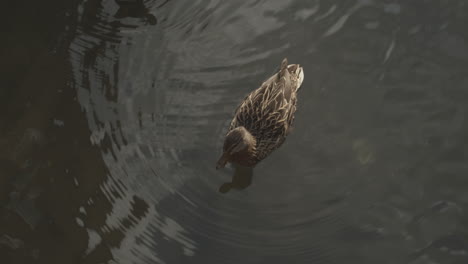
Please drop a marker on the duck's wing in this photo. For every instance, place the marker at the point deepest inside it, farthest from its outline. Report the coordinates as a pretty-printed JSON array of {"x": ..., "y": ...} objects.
[
  {"x": 268, "y": 109},
  {"x": 268, "y": 112}
]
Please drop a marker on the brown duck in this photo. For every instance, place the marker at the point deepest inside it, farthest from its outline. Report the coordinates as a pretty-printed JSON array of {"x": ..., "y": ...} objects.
[{"x": 264, "y": 119}]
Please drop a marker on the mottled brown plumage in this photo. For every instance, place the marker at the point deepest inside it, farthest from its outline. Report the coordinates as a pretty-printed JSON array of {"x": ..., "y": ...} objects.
[{"x": 263, "y": 119}]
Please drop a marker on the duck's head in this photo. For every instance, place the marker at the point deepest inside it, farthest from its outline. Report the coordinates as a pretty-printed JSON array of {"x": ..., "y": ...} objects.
[{"x": 238, "y": 142}]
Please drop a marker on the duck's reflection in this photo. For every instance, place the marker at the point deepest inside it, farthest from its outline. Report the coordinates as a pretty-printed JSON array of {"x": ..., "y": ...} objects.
[{"x": 241, "y": 179}]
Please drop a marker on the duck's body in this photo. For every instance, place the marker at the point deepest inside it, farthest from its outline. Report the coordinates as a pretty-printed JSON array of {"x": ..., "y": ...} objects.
[{"x": 264, "y": 118}]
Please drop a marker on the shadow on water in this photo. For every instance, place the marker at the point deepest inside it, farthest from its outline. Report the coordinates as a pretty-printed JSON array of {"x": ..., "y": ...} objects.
[
  {"x": 135, "y": 8},
  {"x": 241, "y": 179}
]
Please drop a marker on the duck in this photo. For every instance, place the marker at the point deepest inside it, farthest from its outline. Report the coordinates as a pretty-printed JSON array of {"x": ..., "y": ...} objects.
[{"x": 263, "y": 120}]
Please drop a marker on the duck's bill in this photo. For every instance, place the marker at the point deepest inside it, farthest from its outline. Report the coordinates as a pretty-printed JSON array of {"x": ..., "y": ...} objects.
[{"x": 222, "y": 161}]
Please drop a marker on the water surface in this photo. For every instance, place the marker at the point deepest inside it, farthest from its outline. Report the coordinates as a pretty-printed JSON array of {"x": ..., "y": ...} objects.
[{"x": 374, "y": 171}]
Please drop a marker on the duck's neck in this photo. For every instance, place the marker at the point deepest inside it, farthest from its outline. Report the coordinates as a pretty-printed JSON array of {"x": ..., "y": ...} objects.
[
  {"x": 251, "y": 142},
  {"x": 246, "y": 157}
]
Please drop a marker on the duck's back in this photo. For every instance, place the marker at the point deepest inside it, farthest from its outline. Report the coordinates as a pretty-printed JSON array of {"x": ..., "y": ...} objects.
[{"x": 267, "y": 113}]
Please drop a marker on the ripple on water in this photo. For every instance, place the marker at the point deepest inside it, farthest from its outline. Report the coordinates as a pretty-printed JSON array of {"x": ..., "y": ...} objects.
[
  {"x": 159, "y": 96},
  {"x": 164, "y": 126}
]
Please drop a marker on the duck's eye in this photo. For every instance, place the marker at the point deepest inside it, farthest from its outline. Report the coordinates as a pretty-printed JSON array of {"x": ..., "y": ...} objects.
[
  {"x": 229, "y": 146},
  {"x": 237, "y": 147}
]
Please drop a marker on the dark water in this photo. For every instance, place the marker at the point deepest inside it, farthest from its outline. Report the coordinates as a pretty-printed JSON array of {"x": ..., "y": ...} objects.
[{"x": 114, "y": 115}]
